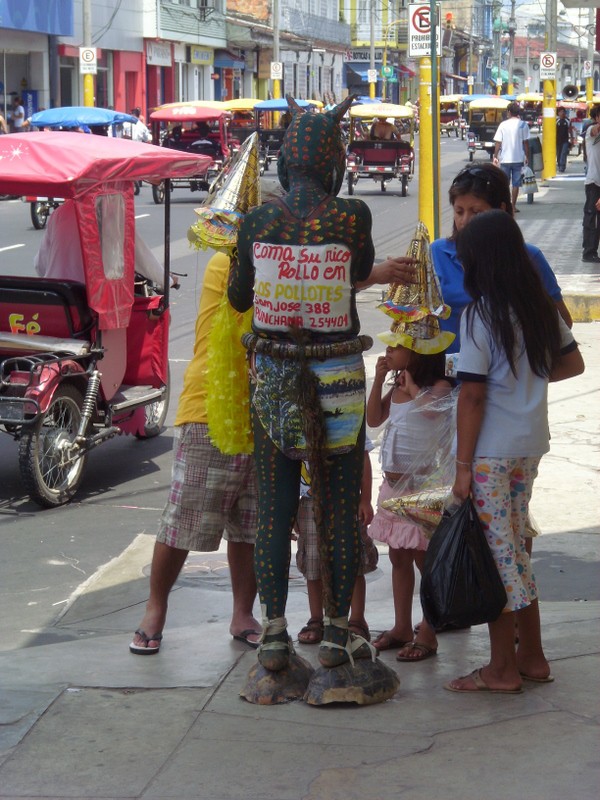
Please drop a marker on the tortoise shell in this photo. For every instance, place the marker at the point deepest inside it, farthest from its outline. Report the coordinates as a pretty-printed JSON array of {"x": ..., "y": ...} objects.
[
  {"x": 265, "y": 687},
  {"x": 365, "y": 683}
]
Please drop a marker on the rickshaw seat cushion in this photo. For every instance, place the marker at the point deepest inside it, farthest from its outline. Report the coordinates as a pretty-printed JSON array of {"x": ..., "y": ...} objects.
[
  {"x": 45, "y": 306},
  {"x": 382, "y": 152},
  {"x": 147, "y": 345}
]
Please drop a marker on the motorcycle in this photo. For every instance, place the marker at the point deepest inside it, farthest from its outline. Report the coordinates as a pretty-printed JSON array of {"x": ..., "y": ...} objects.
[{"x": 84, "y": 360}]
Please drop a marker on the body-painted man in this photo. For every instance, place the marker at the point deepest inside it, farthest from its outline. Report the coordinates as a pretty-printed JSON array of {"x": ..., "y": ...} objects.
[{"x": 299, "y": 260}]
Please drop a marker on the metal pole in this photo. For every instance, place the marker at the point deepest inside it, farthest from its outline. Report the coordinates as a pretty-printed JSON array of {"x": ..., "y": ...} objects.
[
  {"x": 549, "y": 100},
  {"x": 589, "y": 81},
  {"x": 276, "y": 83},
  {"x": 435, "y": 122},
  {"x": 88, "y": 80},
  {"x": 512, "y": 29},
  {"x": 372, "y": 86}
]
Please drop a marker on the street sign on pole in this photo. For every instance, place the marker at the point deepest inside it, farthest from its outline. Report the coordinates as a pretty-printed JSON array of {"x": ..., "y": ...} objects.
[
  {"x": 547, "y": 66},
  {"x": 419, "y": 30},
  {"x": 88, "y": 61},
  {"x": 276, "y": 70},
  {"x": 586, "y": 72},
  {"x": 372, "y": 75}
]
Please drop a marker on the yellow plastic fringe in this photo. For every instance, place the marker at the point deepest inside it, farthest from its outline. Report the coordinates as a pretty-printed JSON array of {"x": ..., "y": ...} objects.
[{"x": 228, "y": 401}]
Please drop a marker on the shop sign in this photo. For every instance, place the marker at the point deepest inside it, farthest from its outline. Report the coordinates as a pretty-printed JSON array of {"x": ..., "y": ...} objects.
[
  {"x": 158, "y": 54},
  {"x": 201, "y": 55}
]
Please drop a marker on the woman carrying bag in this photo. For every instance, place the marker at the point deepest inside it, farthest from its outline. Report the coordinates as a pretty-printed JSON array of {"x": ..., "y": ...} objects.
[{"x": 513, "y": 343}]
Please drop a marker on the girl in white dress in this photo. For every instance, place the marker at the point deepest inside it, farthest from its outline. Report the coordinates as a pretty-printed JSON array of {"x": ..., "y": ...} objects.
[{"x": 414, "y": 427}]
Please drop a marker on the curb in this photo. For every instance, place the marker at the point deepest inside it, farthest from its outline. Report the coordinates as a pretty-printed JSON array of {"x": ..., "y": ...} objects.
[{"x": 583, "y": 307}]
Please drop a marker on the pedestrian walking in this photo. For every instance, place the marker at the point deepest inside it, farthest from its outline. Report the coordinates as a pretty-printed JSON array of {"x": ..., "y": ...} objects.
[{"x": 511, "y": 151}]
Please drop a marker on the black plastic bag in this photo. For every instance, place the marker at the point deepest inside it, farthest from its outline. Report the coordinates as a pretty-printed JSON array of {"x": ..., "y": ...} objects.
[{"x": 461, "y": 584}]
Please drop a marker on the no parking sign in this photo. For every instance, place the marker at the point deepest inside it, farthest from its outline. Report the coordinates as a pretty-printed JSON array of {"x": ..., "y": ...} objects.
[{"x": 420, "y": 28}]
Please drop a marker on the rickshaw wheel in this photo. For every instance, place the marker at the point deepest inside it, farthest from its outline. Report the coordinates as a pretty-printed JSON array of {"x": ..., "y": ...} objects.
[
  {"x": 383, "y": 186},
  {"x": 158, "y": 193},
  {"x": 350, "y": 184},
  {"x": 156, "y": 413},
  {"x": 44, "y": 449},
  {"x": 39, "y": 215},
  {"x": 404, "y": 185},
  {"x": 470, "y": 156}
]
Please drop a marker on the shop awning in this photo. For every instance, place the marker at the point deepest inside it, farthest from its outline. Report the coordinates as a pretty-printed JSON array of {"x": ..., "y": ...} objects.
[
  {"x": 455, "y": 77},
  {"x": 405, "y": 72},
  {"x": 225, "y": 59},
  {"x": 361, "y": 72}
]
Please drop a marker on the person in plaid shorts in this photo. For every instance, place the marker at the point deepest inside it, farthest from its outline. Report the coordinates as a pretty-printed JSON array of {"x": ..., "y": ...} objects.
[{"x": 212, "y": 495}]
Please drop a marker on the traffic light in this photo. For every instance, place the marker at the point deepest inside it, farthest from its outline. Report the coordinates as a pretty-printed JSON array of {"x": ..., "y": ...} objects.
[{"x": 449, "y": 21}]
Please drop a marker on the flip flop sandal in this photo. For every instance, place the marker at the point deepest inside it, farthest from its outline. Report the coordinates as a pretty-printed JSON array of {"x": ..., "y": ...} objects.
[
  {"x": 480, "y": 686},
  {"x": 359, "y": 629},
  {"x": 547, "y": 679},
  {"x": 389, "y": 642},
  {"x": 312, "y": 632},
  {"x": 144, "y": 650},
  {"x": 423, "y": 649}
]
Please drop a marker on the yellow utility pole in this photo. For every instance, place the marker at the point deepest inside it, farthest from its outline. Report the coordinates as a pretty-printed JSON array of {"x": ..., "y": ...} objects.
[
  {"x": 88, "y": 79},
  {"x": 549, "y": 99},
  {"x": 427, "y": 211},
  {"x": 276, "y": 81}
]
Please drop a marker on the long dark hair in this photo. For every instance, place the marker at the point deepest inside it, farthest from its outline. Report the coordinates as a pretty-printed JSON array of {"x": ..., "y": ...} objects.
[{"x": 499, "y": 270}]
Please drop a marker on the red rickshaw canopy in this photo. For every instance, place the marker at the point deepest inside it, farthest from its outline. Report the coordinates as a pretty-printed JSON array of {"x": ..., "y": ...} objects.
[{"x": 64, "y": 164}]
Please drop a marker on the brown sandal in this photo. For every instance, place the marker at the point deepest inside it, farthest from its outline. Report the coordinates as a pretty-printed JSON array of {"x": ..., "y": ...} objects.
[
  {"x": 359, "y": 629},
  {"x": 312, "y": 632}
]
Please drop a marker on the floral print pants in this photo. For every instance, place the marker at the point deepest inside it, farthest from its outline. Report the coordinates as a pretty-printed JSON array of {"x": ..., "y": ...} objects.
[{"x": 501, "y": 491}]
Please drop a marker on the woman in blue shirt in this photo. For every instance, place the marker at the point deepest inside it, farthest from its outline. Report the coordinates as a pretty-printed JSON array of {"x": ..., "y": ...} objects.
[{"x": 476, "y": 189}]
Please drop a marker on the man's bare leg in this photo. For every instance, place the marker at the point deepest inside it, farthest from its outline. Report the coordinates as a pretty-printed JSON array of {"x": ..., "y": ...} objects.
[
  {"x": 243, "y": 587},
  {"x": 166, "y": 565}
]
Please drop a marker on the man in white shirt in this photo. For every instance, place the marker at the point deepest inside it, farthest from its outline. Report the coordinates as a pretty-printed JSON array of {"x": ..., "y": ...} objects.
[
  {"x": 511, "y": 151},
  {"x": 17, "y": 117},
  {"x": 591, "y": 214},
  {"x": 137, "y": 131}
]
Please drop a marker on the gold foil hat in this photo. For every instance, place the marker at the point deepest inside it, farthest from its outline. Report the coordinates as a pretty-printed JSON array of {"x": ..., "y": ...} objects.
[
  {"x": 235, "y": 192},
  {"x": 416, "y": 308}
]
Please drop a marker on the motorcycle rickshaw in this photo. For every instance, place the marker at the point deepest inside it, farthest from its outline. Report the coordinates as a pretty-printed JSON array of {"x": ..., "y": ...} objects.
[
  {"x": 103, "y": 121},
  {"x": 451, "y": 118},
  {"x": 195, "y": 128},
  {"x": 531, "y": 103},
  {"x": 484, "y": 116},
  {"x": 83, "y": 360},
  {"x": 270, "y": 135},
  {"x": 380, "y": 160},
  {"x": 243, "y": 118}
]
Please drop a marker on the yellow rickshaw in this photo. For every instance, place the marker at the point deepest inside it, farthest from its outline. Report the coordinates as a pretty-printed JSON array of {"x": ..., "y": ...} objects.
[
  {"x": 484, "y": 116},
  {"x": 451, "y": 118},
  {"x": 531, "y": 103},
  {"x": 380, "y": 159}
]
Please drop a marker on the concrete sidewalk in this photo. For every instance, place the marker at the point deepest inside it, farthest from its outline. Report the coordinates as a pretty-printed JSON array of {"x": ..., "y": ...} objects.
[
  {"x": 84, "y": 718},
  {"x": 553, "y": 222}
]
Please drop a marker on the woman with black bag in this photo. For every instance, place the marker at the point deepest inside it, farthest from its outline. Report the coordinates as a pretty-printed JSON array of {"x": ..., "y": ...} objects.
[{"x": 512, "y": 343}]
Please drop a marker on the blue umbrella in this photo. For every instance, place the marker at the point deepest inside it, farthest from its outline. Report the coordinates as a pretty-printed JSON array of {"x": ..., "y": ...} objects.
[
  {"x": 78, "y": 116},
  {"x": 280, "y": 105}
]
